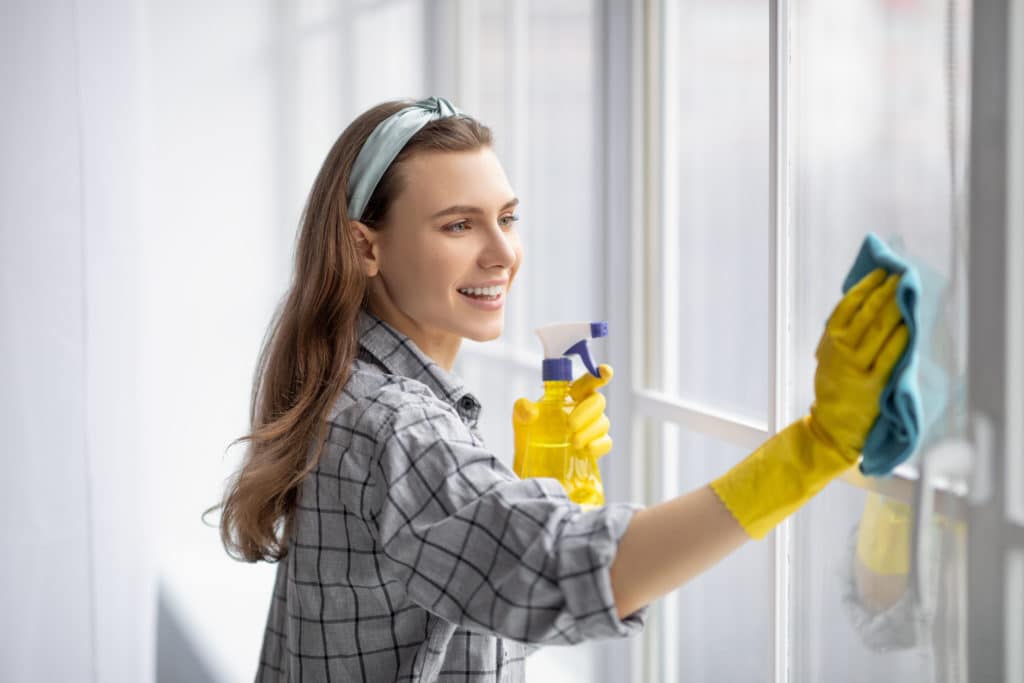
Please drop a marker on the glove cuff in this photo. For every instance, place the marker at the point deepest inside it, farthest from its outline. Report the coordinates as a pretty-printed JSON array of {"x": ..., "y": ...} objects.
[{"x": 779, "y": 477}]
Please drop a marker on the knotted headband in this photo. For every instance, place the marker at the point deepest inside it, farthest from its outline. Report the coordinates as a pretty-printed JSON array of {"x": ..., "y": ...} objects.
[{"x": 384, "y": 144}]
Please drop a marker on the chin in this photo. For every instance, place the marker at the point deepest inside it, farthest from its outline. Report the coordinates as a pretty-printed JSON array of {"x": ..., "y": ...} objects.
[{"x": 482, "y": 335}]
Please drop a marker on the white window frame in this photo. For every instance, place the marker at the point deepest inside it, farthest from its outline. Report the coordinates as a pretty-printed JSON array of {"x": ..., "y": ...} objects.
[{"x": 629, "y": 99}]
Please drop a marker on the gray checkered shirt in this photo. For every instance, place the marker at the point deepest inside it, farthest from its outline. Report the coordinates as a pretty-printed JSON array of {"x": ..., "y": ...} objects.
[{"x": 417, "y": 555}]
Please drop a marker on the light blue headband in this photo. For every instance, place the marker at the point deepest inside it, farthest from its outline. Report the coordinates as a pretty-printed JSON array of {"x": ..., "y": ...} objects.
[{"x": 384, "y": 144}]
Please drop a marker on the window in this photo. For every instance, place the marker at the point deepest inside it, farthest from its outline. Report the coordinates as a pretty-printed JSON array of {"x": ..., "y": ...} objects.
[{"x": 744, "y": 150}]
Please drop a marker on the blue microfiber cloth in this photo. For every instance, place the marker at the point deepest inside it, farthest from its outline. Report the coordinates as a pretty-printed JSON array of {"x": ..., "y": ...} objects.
[{"x": 905, "y": 412}]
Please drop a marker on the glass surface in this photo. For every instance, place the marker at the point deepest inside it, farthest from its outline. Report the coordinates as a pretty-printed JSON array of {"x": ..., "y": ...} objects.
[
  {"x": 855, "y": 619},
  {"x": 397, "y": 28},
  {"x": 729, "y": 607},
  {"x": 500, "y": 69},
  {"x": 877, "y": 118},
  {"x": 713, "y": 249},
  {"x": 537, "y": 91},
  {"x": 878, "y": 93},
  {"x": 564, "y": 256}
]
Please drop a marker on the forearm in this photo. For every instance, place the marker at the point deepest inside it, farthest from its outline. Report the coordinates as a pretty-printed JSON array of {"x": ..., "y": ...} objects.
[{"x": 670, "y": 543}]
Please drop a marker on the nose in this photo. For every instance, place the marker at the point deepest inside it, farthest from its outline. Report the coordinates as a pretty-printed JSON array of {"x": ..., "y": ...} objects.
[{"x": 499, "y": 249}]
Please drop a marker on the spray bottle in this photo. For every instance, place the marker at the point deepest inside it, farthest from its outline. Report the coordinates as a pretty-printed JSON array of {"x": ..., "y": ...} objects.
[{"x": 549, "y": 449}]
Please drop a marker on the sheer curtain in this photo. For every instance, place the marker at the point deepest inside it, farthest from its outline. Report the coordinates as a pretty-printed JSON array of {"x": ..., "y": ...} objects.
[{"x": 78, "y": 581}]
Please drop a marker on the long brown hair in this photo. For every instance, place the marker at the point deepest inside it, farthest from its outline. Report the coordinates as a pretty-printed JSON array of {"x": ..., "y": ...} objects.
[{"x": 311, "y": 342}]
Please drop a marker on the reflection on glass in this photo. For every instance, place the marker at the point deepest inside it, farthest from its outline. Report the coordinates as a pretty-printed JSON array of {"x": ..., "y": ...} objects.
[
  {"x": 878, "y": 114},
  {"x": 855, "y": 614}
]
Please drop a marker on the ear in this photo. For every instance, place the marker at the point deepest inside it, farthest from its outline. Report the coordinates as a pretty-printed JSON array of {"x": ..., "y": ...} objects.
[{"x": 365, "y": 240}]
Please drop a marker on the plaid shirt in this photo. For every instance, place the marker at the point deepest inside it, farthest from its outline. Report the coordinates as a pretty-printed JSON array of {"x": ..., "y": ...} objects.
[{"x": 417, "y": 555}]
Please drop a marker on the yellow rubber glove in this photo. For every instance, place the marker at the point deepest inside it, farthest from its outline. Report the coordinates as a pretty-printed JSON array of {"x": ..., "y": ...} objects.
[
  {"x": 587, "y": 421},
  {"x": 863, "y": 339}
]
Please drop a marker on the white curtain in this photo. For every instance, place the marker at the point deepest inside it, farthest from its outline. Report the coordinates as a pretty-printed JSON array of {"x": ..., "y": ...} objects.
[{"x": 78, "y": 576}]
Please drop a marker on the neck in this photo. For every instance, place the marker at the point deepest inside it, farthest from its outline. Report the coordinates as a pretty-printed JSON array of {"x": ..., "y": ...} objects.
[{"x": 440, "y": 347}]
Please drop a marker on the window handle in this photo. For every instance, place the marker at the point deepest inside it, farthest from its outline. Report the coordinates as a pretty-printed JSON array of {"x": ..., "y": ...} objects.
[{"x": 953, "y": 459}]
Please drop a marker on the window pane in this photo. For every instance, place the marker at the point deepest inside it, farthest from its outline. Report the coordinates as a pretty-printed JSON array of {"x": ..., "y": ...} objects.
[
  {"x": 398, "y": 27},
  {"x": 537, "y": 90},
  {"x": 878, "y": 125},
  {"x": 730, "y": 604},
  {"x": 564, "y": 263},
  {"x": 853, "y": 614},
  {"x": 713, "y": 289},
  {"x": 878, "y": 93}
]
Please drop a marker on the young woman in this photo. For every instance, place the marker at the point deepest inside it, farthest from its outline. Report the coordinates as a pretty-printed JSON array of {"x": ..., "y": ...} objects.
[{"x": 406, "y": 549}]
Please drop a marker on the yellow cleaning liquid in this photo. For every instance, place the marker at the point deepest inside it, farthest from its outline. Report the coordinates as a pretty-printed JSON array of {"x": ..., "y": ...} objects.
[{"x": 549, "y": 452}]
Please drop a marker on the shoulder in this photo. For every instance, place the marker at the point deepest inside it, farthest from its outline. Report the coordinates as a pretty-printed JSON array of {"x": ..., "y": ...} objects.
[{"x": 378, "y": 403}]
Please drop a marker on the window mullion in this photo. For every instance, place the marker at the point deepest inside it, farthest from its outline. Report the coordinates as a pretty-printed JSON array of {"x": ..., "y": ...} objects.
[{"x": 781, "y": 301}]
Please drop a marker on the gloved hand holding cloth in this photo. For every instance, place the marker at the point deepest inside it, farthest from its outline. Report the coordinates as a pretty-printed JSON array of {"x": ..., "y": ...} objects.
[{"x": 863, "y": 340}]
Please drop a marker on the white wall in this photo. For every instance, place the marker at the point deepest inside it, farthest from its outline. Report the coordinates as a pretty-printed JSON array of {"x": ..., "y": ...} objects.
[{"x": 216, "y": 249}]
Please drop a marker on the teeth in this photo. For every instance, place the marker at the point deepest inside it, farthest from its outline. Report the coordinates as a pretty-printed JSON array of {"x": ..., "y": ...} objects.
[{"x": 483, "y": 291}]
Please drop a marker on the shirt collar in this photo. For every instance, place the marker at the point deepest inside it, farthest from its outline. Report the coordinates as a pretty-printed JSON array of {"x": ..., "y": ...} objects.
[{"x": 399, "y": 355}]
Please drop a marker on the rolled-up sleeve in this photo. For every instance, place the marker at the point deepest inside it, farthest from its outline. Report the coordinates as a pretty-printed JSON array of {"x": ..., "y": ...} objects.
[{"x": 474, "y": 544}]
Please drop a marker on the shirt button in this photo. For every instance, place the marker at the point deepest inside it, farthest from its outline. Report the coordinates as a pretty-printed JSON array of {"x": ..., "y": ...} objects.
[{"x": 466, "y": 402}]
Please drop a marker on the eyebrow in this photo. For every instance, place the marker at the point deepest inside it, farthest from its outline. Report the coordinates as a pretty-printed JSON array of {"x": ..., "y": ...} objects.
[{"x": 462, "y": 208}]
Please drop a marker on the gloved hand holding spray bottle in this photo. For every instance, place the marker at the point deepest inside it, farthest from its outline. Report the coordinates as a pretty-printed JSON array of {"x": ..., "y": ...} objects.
[{"x": 564, "y": 433}]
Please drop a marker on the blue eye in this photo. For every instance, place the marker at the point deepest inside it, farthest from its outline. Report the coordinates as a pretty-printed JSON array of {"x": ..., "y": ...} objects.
[
  {"x": 463, "y": 226},
  {"x": 456, "y": 227}
]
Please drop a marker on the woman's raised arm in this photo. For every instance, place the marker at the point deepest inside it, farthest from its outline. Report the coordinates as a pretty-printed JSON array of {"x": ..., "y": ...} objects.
[{"x": 666, "y": 545}]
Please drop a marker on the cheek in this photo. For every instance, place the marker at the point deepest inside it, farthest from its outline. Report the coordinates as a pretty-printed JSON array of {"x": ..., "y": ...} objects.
[
  {"x": 439, "y": 266},
  {"x": 519, "y": 260},
  {"x": 411, "y": 269}
]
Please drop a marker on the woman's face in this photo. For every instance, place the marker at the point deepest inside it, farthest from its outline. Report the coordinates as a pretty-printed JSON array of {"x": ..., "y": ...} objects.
[{"x": 450, "y": 232}]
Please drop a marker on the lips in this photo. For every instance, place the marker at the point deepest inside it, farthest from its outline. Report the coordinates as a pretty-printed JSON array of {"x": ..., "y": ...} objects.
[
  {"x": 491, "y": 283},
  {"x": 487, "y": 303}
]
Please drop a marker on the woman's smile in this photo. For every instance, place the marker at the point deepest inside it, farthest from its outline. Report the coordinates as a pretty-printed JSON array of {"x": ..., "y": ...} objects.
[
  {"x": 487, "y": 302},
  {"x": 489, "y": 296}
]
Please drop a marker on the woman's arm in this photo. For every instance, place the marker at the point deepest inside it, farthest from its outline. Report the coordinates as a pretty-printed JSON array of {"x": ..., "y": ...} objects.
[{"x": 668, "y": 544}]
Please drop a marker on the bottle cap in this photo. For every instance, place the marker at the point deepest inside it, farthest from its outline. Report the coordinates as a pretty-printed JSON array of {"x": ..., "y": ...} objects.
[
  {"x": 557, "y": 370},
  {"x": 566, "y": 339}
]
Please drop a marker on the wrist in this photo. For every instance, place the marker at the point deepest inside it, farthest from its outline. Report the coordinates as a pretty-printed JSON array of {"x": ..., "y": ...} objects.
[{"x": 819, "y": 433}]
